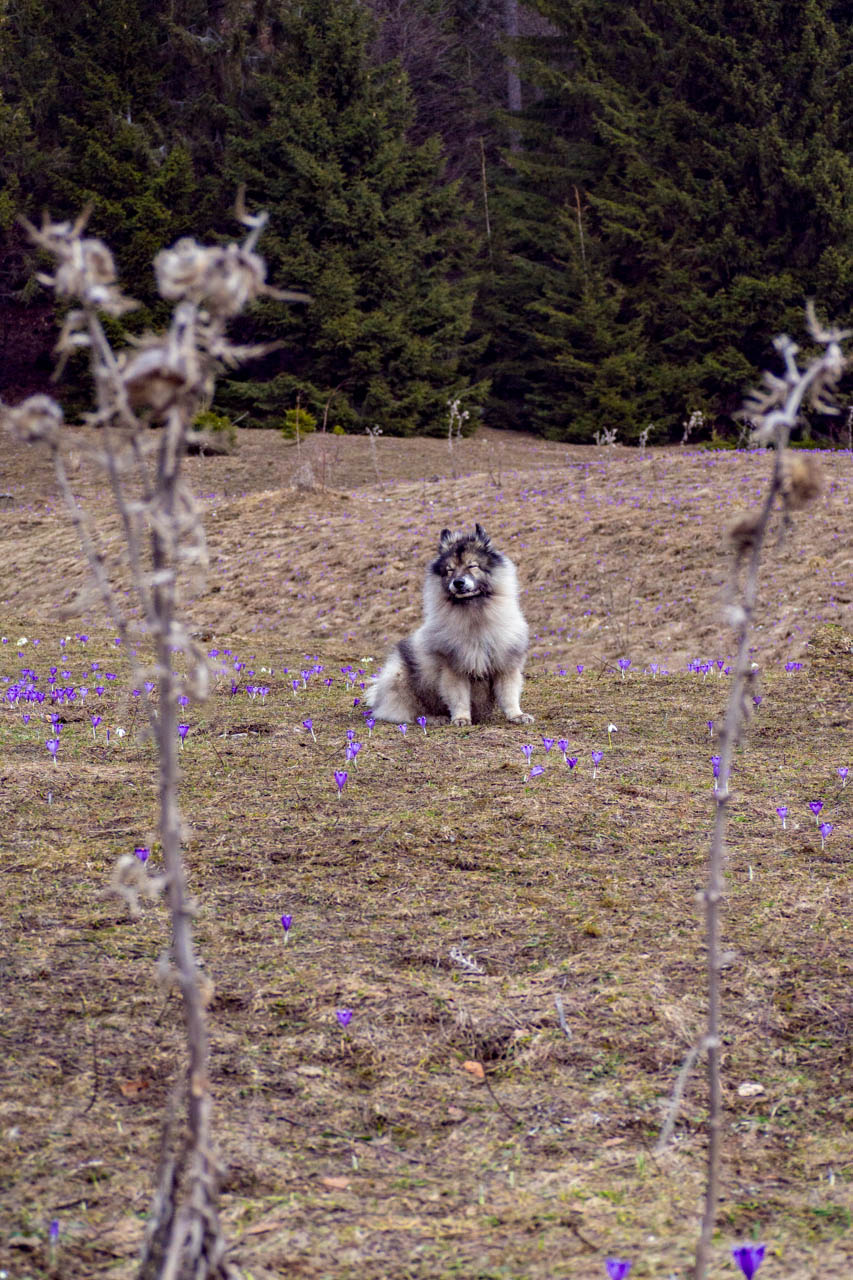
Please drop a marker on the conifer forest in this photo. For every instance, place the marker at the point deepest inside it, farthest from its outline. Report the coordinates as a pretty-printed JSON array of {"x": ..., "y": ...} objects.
[{"x": 576, "y": 215}]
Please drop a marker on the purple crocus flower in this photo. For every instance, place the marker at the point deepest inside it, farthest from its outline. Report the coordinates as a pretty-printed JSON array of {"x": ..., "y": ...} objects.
[
  {"x": 309, "y": 725},
  {"x": 53, "y": 1230},
  {"x": 422, "y": 721},
  {"x": 183, "y": 730},
  {"x": 623, "y": 664},
  {"x": 344, "y": 1017},
  {"x": 547, "y": 743},
  {"x": 617, "y": 1268},
  {"x": 353, "y": 749},
  {"x": 142, "y": 853},
  {"x": 536, "y": 771},
  {"x": 340, "y": 779},
  {"x": 815, "y": 806},
  {"x": 571, "y": 761},
  {"x": 715, "y": 765},
  {"x": 404, "y": 728},
  {"x": 597, "y": 757},
  {"x": 842, "y": 773},
  {"x": 563, "y": 744},
  {"x": 749, "y": 1258},
  {"x": 370, "y": 722},
  {"x": 527, "y": 751},
  {"x": 580, "y": 668},
  {"x": 96, "y": 720},
  {"x": 286, "y": 922},
  {"x": 825, "y": 829},
  {"x": 52, "y": 745},
  {"x": 782, "y": 810}
]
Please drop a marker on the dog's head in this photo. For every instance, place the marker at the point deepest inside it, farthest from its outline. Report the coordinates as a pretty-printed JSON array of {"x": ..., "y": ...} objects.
[{"x": 465, "y": 564}]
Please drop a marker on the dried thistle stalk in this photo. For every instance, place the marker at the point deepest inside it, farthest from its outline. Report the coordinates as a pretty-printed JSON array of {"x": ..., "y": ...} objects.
[
  {"x": 160, "y": 380},
  {"x": 793, "y": 482}
]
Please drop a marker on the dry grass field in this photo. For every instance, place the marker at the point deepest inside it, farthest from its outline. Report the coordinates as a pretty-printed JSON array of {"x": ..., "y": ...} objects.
[{"x": 454, "y": 1127}]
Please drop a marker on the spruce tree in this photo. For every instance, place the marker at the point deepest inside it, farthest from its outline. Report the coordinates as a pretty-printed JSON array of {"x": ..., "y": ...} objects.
[
  {"x": 709, "y": 142},
  {"x": 361, "y": 219},
  {"x": 84, "y": 82}
]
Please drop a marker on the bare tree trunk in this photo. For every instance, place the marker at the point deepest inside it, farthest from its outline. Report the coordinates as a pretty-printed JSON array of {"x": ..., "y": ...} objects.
[
  {"x": 513, "y": 80},
  {"x": 486, "y": 201}
]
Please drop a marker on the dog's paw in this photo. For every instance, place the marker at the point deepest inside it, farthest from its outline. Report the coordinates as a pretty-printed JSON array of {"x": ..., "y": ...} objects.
[
  {"x": 521, "y": 718},
  {"x": 461, "y": 720}
]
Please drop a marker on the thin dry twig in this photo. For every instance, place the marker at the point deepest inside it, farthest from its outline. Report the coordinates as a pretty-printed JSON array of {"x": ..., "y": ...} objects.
[
  {"x": 776, "y": 409},
  {"x": 678, "y": 1095}
]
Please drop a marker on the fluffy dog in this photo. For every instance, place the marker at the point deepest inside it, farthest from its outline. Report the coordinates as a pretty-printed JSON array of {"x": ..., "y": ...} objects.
[{"x": 469, "y": 651}]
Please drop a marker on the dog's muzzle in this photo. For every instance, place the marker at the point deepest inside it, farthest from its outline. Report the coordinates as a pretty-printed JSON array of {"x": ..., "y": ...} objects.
[{"x": 464, "y": 587}]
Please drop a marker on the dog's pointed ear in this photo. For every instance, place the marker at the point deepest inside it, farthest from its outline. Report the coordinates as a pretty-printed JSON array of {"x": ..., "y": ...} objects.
[
  {"x": 445, "y": 539},
  {"x": 482, "y": 537}
]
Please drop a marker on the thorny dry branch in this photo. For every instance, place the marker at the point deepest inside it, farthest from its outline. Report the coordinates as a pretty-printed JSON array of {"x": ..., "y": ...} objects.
[
  {"x": 160, "y": 380},
  {"x": 793, "y": 482}
]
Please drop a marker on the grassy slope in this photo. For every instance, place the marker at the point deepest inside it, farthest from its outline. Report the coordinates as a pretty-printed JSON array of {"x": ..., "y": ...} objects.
[{"x": 374, "y": 1152}]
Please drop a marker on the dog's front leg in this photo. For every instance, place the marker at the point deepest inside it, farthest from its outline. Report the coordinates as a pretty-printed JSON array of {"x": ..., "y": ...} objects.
[
  {"x": 455, "y": 691},
  {"x": 508, "y": 694}
]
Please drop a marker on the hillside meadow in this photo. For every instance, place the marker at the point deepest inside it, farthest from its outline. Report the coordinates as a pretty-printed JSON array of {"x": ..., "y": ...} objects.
[{"x": 456, "y": 1060}]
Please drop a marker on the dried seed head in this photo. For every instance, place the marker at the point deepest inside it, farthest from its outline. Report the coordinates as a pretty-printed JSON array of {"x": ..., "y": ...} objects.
[
  {"x": 151, "y": 381},
  {"x": 131, "y": 881},
  {"x": 37, "y": 418},
  {"x": 743, "y": 530},
  {"x": 85, "y": 267},
  {"x": 802, "y": 480},
  {"x": 222, "y": 278},
  {"x": 157, "y": 375}
]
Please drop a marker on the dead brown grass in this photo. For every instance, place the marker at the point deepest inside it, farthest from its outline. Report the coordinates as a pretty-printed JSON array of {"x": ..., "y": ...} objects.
[
  {"x": 621, "y": 553},
  {"x": 374, "y": 1151}
]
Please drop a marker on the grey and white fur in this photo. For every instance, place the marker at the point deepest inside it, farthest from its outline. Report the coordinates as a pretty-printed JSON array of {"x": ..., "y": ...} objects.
[{"x": 468, "y": 653}]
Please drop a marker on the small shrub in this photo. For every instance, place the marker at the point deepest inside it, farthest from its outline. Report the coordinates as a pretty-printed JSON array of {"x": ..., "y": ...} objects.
[
  {"x": 298, "y": 422},
  {"x": 215, "y": 424},
  {"x": 718, "y": 441}
]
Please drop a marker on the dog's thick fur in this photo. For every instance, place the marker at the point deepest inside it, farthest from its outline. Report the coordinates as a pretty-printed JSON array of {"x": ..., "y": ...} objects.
[{"x": 469, "y": 651}]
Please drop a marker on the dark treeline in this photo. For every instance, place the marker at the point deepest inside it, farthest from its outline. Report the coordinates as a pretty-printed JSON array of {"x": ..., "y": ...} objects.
[{"x": 577, "y": 215}]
